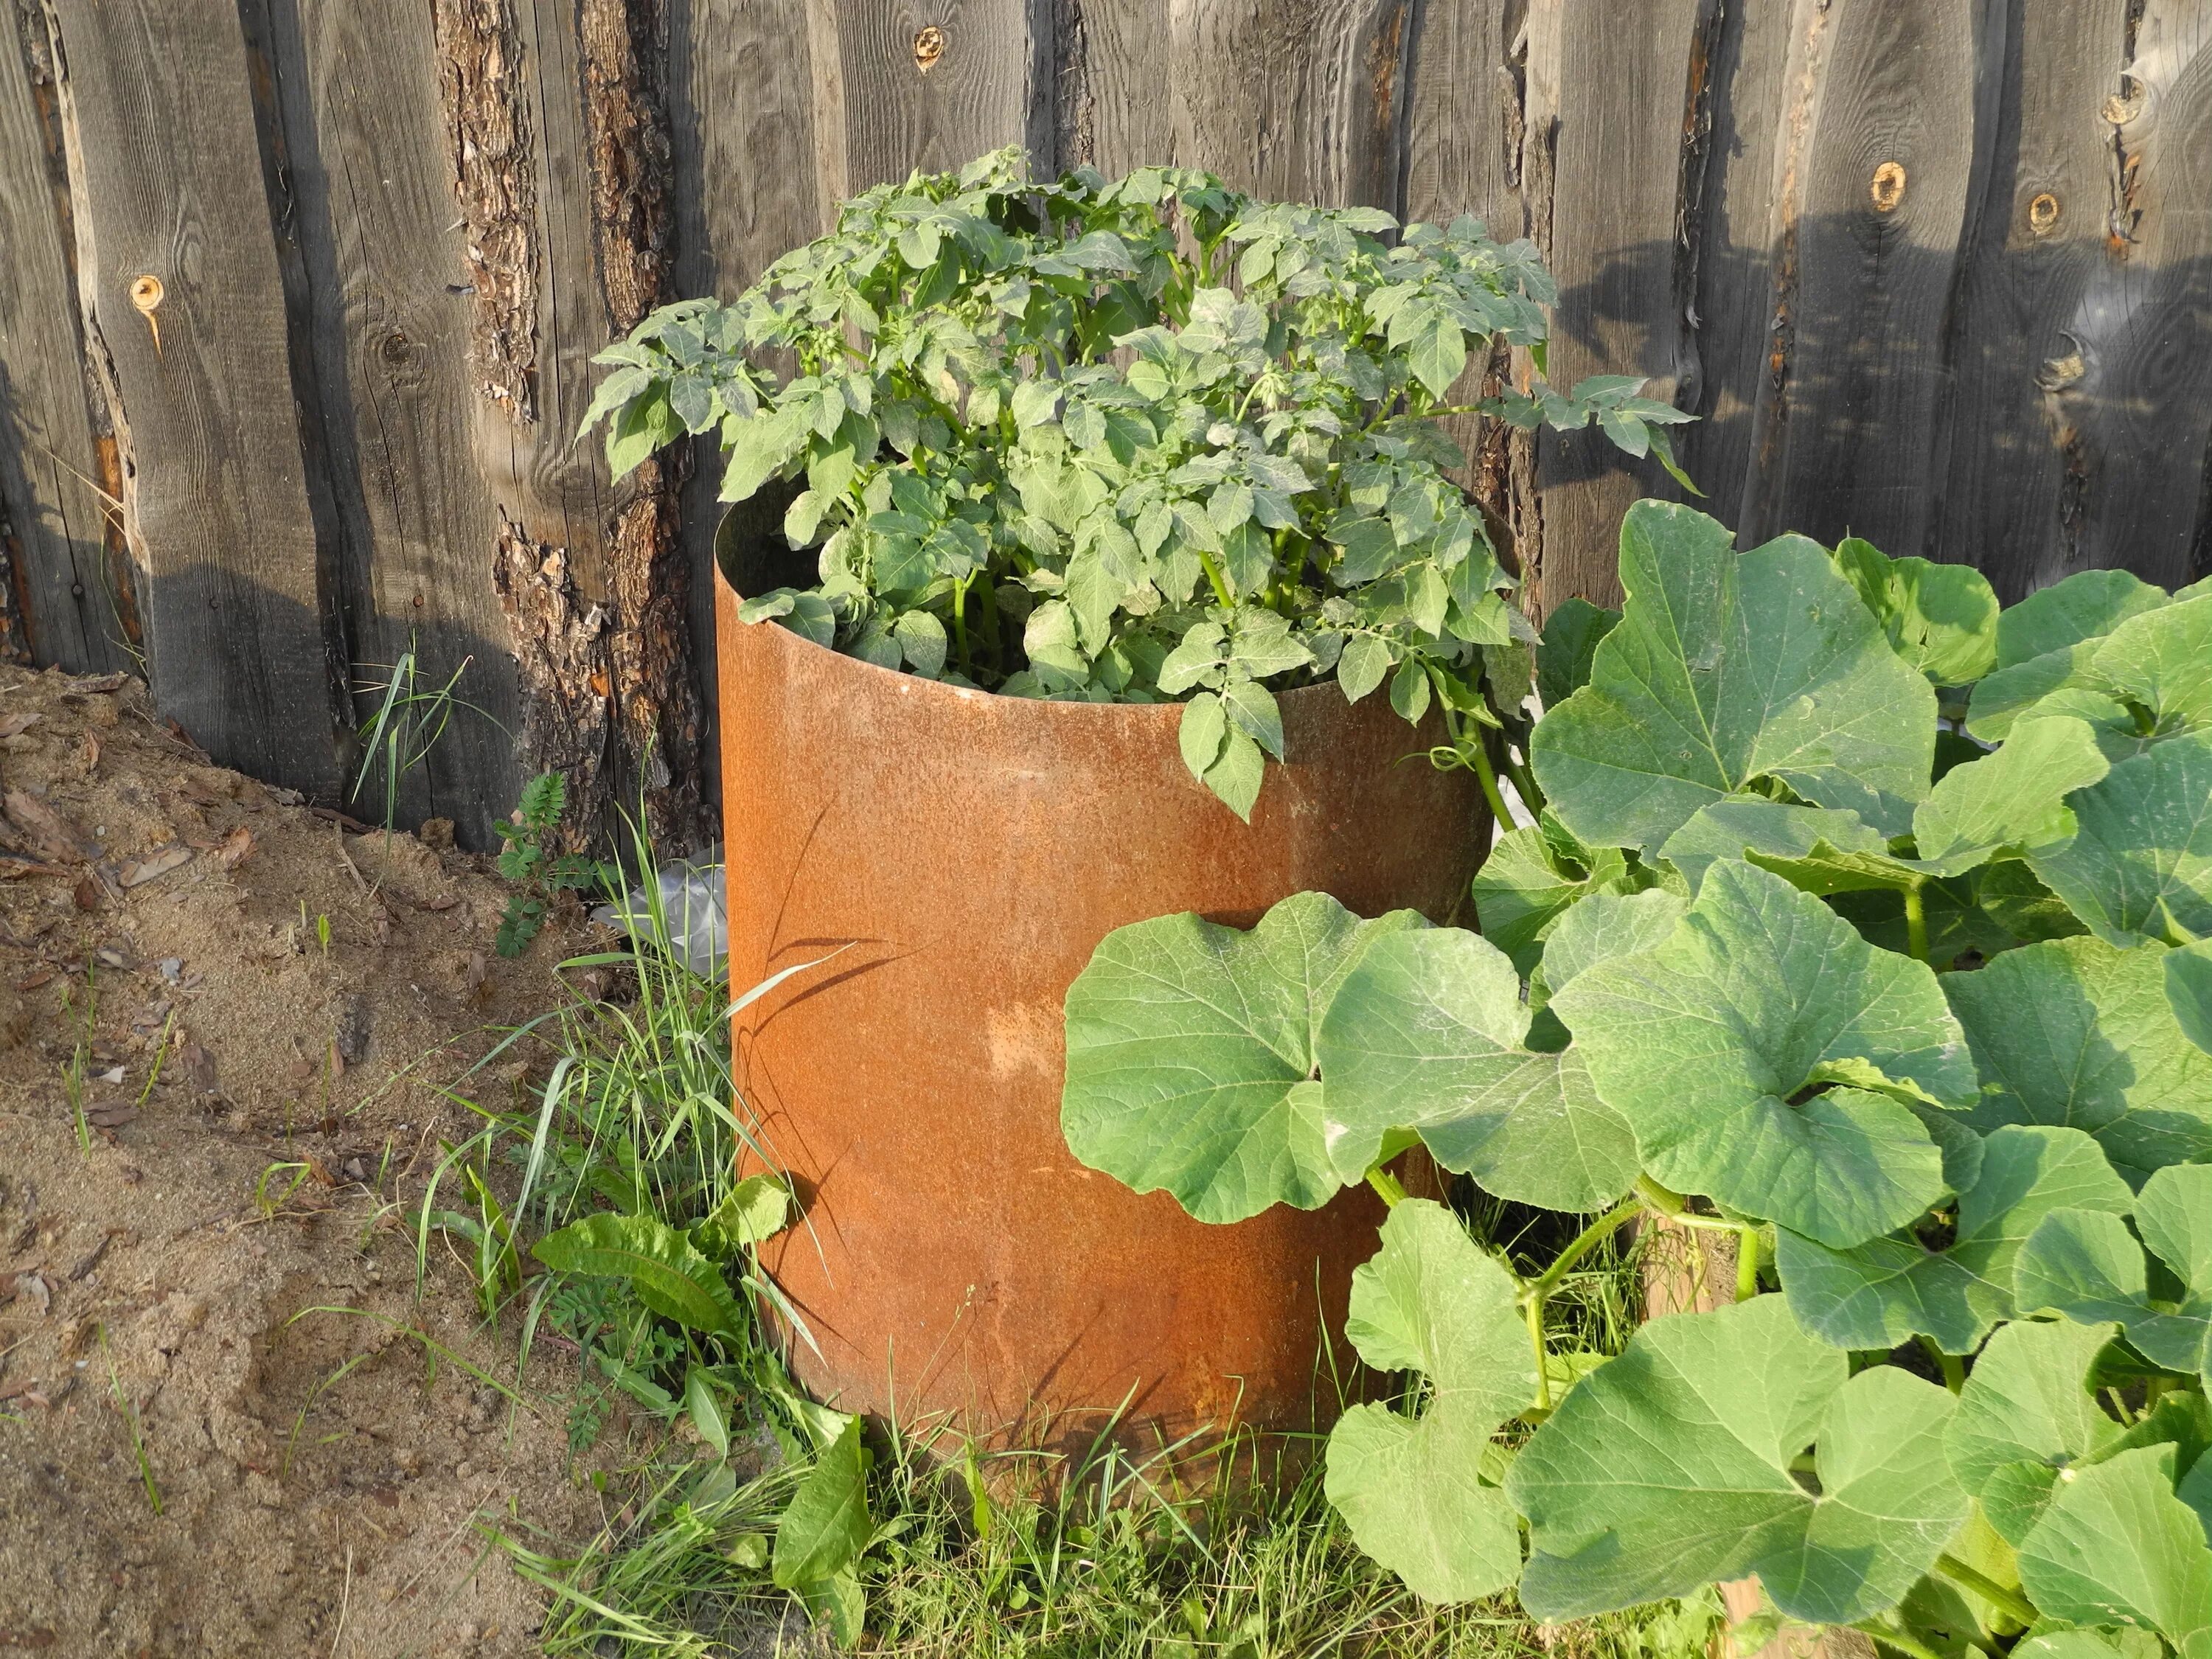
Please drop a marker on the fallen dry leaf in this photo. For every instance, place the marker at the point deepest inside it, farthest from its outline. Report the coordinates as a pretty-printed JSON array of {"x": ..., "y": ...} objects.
[
  {"x": 112, "y": 1116},
  {"x": 100, "y": 682},
  {"x": 156, "y": 864},
  {"x": 32, "y": 981},
  {"x": 235, "y": 848},
  {"x": 87, "y": 893},
  {"x": 46, "y": 833},
  {"x": 12, "y": 867},
  {"x": 13, "y": 725},
  {"x": 195, "y": 1065}
]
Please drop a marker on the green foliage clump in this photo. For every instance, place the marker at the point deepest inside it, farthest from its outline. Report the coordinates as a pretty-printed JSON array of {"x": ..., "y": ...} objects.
[
  {"x": 1136, "y": 441},
  {"x": 1860, "y": 929},
  {"x": 530, "y": 859}
]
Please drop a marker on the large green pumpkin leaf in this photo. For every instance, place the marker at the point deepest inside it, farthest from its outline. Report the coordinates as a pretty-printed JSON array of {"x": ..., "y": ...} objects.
[
  {"x": 2160, "y": 663},
  {"x": 1571, "y": 633},
  {"x": 1879, "y": 1294},
  {"x": 1187, "y": 1044},
  {"x": 1726, "y": 668},
  {"x": 2188, "y": 991},
  {"x": 2073, "y": 1032},
  {"x": 1717, "y": 1045},
  {"x": 669, "y": 1276},
  {"x": 1603, "y": 926},
  {"x": 1777, "y": 834},
  {"x": 1534, "y": 876},
  {"x": 1669, "y": 1468},
  {"x": 1430, "y": 1033},
  {"x": 1433, "y": 1301},
  {"x": 2088, "y": 1267},
  {"x": 1941, "y": 619},
  {"x": 2047, "y": 640},
  {"x": 2118, "y": 1548},
  {"x": 2026, "y": 1413},
  {"x": 2140, "y": 865}
]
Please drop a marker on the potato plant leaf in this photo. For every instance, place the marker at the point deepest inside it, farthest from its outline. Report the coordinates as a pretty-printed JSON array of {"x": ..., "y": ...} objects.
[
  {"x": 1185, "y": 1042},
  {"x": 2140, "y": 865},
  {"x": 1879, "y": 1294},
  {"x": 2073, "y": 1032},
  {"x": 1430, "y": 1033},
  {"x": 1410, "y": 1489},
  {"x": 1716, "y": 1047},
  {"x": 2117, "y": 1546},
  {"x": 669, "y": 1276},
  {"x": 1669, "y": 1468},
  {"x": 1726, "y": 668},
  {"x": 2089, "y": 1267}
]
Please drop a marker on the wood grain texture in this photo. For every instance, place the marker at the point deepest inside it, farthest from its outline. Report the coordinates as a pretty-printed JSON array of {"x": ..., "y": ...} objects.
[
  {"x": 1733, "y": 302},
  {"x": 2145, "y": 326},
  {"x": 1632, "y": 79},
  {"x": 1300, "y": 100},
  {"x": 373, "y": 208},
  {"x": 215, "y": 490},
  {"x": 1111, "y": 62},
  {"x": 1896, "y": 126},
  {"x": 741, "y": 116},
  {"x": 1463, "y": 118},
  {"x": 983, "y": 81},
  {"x": 70, "y": 603}
]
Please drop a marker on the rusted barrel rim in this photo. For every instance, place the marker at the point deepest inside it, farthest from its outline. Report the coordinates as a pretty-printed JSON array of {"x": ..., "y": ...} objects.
[{"x": 1049, "y": 708}]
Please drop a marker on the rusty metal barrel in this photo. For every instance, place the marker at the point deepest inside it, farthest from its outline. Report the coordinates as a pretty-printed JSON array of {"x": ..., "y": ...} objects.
[{"x": 963, "y": 854}]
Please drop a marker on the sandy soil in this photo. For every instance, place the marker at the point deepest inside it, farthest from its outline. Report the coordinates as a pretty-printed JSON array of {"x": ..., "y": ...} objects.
[{"x": 302, "y": 988}]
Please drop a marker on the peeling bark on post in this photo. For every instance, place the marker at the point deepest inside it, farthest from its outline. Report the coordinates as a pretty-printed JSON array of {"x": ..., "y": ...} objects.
[
  {"x": 561, "y": 654},
  {"x": 488, "y": 132},
  {"x": 657, "y": 702}
]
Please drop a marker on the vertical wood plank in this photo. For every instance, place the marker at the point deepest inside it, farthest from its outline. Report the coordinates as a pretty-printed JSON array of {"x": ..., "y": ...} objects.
[
  {"x": 1632, "y": 78},
  {"x": 1112, "y": 60},
  {"x": 214, "y": 491},
  {"x": 1299, "y": 101},
  {"x": 934, "y": 83},
  {"x": 1463, "y": 118},
  {"x": 2143, "y": 409},
  {"x": 741, "y": 115},
  {"x": 1893, "y": 107},
  {"x": 1735, "y": 248},
  {"x": 69, "y": 592},
  {"x": 357, "y": 94}
]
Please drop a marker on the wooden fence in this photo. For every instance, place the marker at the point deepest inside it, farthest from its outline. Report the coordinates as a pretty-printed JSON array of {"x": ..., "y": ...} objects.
[{"x": 298, "y": 297}]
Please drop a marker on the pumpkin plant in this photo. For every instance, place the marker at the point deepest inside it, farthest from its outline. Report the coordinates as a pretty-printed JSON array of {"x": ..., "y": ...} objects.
[
  {"x": 1860, "y": 920},
  {"x": 1129, "y": 442}
]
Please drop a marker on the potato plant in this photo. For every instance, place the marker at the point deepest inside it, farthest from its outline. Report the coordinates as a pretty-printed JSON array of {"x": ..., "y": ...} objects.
[
  {"x": 1132, "y": 441},
  {"x": 1860, "y": 920}
]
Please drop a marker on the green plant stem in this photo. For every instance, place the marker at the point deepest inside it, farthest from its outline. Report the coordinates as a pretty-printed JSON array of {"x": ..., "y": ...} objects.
[
  {"x": 1661, "y": 1199},
  {"x": 1589, "y": 1239},
  {"x": 960, "y": 624},
  {"x": 1747, "y": 1264},
  {"x": 1952, "y": 1367},
  {"x": 1386, "y": 1185},
  {"x": 2011, "y": 1603},
  {"x": 1534, "y": 1309},
  {"x": 1916, "y": 923},
  {"x": 1213, "y": 576}
]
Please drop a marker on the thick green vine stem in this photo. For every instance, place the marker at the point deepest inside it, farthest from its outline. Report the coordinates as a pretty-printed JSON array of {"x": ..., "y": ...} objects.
[
  {"x": 1747, "y": 1264},
  {"x": 1386, "y": 1186},
  {"x": 1916, "y": 923},
  {"x": 2010, "y": 1602},
  {"x": 1911, "y": 1646}
]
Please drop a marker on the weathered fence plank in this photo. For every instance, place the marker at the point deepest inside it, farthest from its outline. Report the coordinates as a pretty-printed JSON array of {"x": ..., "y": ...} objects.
[
  {"x": 1631, "y": 80},
  {"x": 70, "y": 591},
  {"x": 1940, "y": 274},
  {"x": 373, "y": 208},
  {"x": 1895, "y": 127},
  {"x": 181, "y": 287}
]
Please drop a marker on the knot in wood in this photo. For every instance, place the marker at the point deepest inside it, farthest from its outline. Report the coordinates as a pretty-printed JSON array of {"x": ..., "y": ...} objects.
[
  {"x": 1888, "y": 188},
  {"x": 928, "y": 47},
  {"x": 2043, "y": 213},
  {"x": 146, "y": 293}
]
